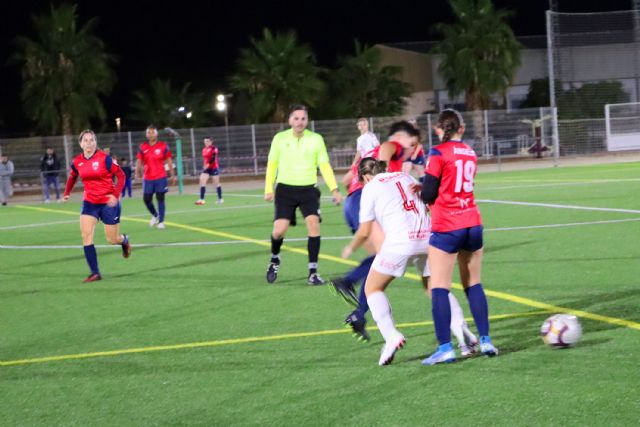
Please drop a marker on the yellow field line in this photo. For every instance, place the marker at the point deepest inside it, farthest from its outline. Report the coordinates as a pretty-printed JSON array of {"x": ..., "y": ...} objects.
[
  {"x": 218, "y": 343},
  {"x": 500, "y": 295}
]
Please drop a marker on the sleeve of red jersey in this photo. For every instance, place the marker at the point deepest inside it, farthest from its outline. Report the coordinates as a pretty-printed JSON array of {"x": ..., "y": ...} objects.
[
  {"x": 167, "y": 153},
  {"x": 140, "y": 154},
  {"x": 434, "y": 163},
  {"x": 71, "y": 181}
]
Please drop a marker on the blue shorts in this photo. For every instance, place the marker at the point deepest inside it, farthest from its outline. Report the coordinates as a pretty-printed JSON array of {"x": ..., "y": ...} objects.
[
  {"x": 468, "y": 239},
  {"x": 420, "y": 160},
  {"x": 211, "y": 171},
  {"x": 109, "y": 215},
  {"x": 150, "y": 186},
  {"x": 352, "y": 210}
]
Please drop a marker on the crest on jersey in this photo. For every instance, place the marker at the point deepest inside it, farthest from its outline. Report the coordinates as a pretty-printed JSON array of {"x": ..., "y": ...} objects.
[
  {"x": 95, "y": 165},
  {"x": 157, "y": 151}
]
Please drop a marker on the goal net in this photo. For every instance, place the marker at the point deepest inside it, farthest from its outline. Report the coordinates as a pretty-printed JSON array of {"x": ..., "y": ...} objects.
[{"x": 623, "y": 126}]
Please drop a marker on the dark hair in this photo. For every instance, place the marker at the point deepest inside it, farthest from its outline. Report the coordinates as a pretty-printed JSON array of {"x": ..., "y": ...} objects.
[
  {"x": 404, "y": 126},
  {"x": 123, "y": 159},
  {"x": 450, "y": 122},
  {"x": 208, "y": 137},
  {"x": 370, "y": 166},
  {"x": 152, "y": 127},
  {"x": 296, "y": 107}
]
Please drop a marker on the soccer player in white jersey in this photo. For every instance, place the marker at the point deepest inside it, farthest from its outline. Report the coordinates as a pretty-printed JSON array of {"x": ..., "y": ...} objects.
[
  {"x": 391, "y": 200},
  {"x": 366, "y": 142}
]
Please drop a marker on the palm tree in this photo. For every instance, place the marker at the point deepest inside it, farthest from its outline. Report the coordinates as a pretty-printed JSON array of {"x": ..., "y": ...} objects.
[
  {"x": 479, "y": 52},
  {"x": 276, "y": 72},
  {"x": 65, "y": 71},
  {"x": 163, "y": 105},
  {"x": 362, "y": 87}
]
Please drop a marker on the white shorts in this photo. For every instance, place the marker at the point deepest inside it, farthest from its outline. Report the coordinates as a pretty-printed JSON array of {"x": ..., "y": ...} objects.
[{"x": 394, "y": 264}]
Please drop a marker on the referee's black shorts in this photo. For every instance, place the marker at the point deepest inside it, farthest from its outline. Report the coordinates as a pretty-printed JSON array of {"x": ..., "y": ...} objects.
[{"x": 290, "y": 197}]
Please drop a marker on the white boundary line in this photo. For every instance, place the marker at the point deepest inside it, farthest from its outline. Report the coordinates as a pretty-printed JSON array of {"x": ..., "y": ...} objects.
[
  {"x": 556, "y": 206},
  {"x": 303, "y": 239},
  {"x": 557, "y": 184},
  {"x": 141, "y": 215}
]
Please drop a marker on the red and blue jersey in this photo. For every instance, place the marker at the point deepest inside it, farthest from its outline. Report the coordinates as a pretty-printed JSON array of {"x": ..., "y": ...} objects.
[
  {"x": 153, "y": 158},
  {"x": 210, "y": 157},
  {"x": 394, "y": 165},
  {"x": 454, "y": 164},
  {"x": 97, "y": 174}
]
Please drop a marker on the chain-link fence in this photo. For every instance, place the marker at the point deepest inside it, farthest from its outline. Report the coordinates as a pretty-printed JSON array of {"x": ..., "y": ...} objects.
[
  {"x": 243, "y": 150},
  {"x": 594, "y": 60}
]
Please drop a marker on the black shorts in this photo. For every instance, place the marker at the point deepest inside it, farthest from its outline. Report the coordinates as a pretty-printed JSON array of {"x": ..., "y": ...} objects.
[{"x": 290, "y": 197}]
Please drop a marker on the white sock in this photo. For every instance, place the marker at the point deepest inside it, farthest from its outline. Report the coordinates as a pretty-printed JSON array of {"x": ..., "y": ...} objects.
[
  {"x": 381, "y": 313},
  {"x": 457, "y": 319}
]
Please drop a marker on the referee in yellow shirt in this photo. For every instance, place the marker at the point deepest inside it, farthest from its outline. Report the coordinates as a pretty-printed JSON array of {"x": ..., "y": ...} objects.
[{"x": 294, "y": 159}]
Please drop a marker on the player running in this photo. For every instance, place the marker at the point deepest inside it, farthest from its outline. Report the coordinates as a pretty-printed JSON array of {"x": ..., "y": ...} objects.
[
  {"x": 209, "y": 169},
  {"x": 100, "y": 199},
  {"x": 456, "y": 234},
  {"x": 153, "y": 154}
]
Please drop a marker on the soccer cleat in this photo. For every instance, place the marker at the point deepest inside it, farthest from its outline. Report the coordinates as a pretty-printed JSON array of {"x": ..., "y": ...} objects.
[
  {"x": 200, "y": 202},
  {"x": 154, "y": 220},
  {"x": 93, "y": 277},
  {"x": 358, "y": 326},
  {"x": 487, "y": 348},
  {"x": 343, "y": 288},
  {"x": 272, "y": 271},
  {"x": 444, "y": 354},
  {"x": 46, "y": 201},
  {"x": 314, "y": 279},
  {"x": 126, "y": 247},
  {"x": 389, "y": 350},
  {"x": 220, "y": 201},
  {"x": 468, "y": 350},
  {"x": 160, "y": 226}
]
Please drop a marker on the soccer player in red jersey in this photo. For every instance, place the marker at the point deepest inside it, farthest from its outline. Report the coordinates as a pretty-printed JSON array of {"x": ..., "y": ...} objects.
[
  {"x": 100, "y": 201},
  {"x": 209, "y": 169},
  {"x": 153, "y": 154},
  {"x": 456, "y": 233}
]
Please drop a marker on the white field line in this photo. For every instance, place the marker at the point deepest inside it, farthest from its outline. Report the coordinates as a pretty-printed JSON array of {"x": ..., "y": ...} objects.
[
  {"x": 557, "y": 184},
  {"x": 139, "y": 215},
  {"x": 303, "y": 239},
  {"x": 557, "y": 206}
]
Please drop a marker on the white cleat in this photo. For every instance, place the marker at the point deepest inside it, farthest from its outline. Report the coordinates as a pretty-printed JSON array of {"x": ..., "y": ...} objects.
[
  {"x": 160, "y": 226},
  {"x": 389, "y": 350},
  {"x": 220, "y": 201},
  {"x": 154, "y": 220}
]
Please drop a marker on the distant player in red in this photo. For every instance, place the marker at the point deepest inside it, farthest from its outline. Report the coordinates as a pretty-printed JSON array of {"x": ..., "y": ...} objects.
[
  {"x": 416, "y": 162},
  {"x": 100, "y": 201},
  {"x": 152, "y": 155},
  {"x": 209, "y": 169},
  {"x": 456, "y": 233}
]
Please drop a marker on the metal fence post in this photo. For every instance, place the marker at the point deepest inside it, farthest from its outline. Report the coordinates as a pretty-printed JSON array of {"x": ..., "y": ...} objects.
[
  {"x": 499, "y": 156},
  {"x": 130, "y": 142},
  {"x": 371, "y": 125},
  {"x": 556, "y": 137},
  {"x": 193, "y": 151},
  {"x": 429, "y": 133},
  {"x": 486, "y": 134},
  {"x": 313, "y": 125},
  {"x": 67, "y": 151},
  {"x": 255, "y": 151}
]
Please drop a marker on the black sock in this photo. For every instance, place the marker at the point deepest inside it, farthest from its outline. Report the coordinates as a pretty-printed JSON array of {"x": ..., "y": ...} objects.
[
  {"x": 313, "y": 247},
  {"x": 275, "y": 248}
]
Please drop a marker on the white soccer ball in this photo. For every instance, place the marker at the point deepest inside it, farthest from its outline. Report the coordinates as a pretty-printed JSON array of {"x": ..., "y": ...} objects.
[{"x": 561, "y": 330}]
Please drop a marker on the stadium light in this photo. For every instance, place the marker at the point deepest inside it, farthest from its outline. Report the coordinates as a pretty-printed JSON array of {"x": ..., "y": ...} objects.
[{"x": 221, "y": 106}]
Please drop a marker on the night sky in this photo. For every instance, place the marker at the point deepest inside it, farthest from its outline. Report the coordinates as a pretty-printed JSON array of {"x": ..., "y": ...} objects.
[{"x": 189, "y": 41}]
